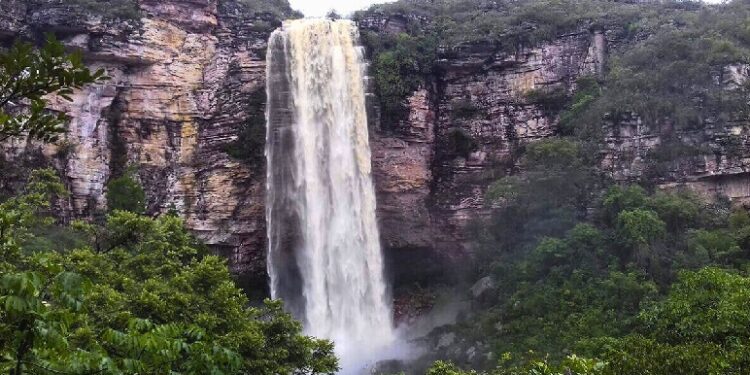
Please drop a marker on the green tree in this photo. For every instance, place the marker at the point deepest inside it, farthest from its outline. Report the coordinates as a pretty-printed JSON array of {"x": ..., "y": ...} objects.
[
  {"x": 126, "y": 193},
  {"x": 143, "y": 297},
  {"x": 571, "y": 365},
  {"x": 27, "y": 76},
  {"x": 701, "y": 327},
  {"x": 638, "y": 228}
]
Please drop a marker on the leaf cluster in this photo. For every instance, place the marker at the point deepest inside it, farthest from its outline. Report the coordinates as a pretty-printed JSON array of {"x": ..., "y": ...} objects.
[{"x": 27, "y": 77}]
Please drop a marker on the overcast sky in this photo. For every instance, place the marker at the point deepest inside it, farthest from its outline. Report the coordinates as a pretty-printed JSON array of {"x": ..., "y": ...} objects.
[{"x": 319, "y": 8}]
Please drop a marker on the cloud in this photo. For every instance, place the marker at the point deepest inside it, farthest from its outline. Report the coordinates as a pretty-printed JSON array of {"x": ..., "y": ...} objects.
[{"x": 319, "y": 8}]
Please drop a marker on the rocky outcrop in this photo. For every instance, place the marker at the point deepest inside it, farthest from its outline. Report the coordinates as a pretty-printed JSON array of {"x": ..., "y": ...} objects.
[
  {"x": 495, "y": 102},
  {"x": 429, "y": 191},
  {"x": 487, "y": 95},
  {"x": 181, "y": 78},
  {"x": 12, "y": 17}
]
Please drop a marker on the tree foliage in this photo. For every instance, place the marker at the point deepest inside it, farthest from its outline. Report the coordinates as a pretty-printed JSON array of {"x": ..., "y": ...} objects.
[
  {"x": 701, "y": 327},
  {"x": 401, "y": 63},
  {"x": 125, "y": 193},
  {"x": 27, "y": 76},
  {"x": 142, "y": 296},
  {"x": 109, "y": 9},
  {"x": 635, "y": 281},
  {"x": 571, "y": 365}
]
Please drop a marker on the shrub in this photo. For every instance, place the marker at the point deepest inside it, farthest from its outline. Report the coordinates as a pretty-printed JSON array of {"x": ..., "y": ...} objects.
[
  {"x": 125, "y": 193},
  {"x": 464, "y": 109},
  {"x": 277, "y": 8},
  {"x": 109, "y": 9},
  {"x": 251, "y": 142},
  {"x": 550, "y": 100},
  {"x": 65, "y": 149},
  {"x": 460, "y": 144},
  {"x": 401, "y": 64}
]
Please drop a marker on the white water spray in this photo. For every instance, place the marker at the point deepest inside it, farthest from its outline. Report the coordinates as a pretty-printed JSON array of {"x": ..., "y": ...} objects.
[{"x": 325, "y": 259}]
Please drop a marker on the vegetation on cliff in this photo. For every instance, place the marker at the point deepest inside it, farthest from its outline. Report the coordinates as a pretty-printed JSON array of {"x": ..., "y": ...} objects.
[
  {"x": 124, "y": 193},
  {"x": 129, "y": 10},
  {"x": 108, "y": 9},
  {"x": 277, "y": 8},
  {"x": 251, "y": 142},
  {"x": 632, "y": 279},
  {"x": 672, "y": 66}
]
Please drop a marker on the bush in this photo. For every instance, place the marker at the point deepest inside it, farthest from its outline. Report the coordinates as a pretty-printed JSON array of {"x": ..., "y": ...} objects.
[
  {"x": 401, "y": 64},
  {"x": 278, "y": 8},
  {"x": 459, "y": 143},
  {"x": 251, "y": 142},
  {"x": 125, "y": 193},
  {"x": 109, "y": 9},
  {"x": 464, "y": 109},
  {"x": 550, "y": 100}
]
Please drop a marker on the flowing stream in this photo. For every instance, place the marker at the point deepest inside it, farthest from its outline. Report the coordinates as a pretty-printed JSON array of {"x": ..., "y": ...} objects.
[{"x": 325, "y": 259}]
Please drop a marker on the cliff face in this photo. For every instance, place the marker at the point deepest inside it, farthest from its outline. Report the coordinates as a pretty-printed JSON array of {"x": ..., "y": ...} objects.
[
  {"x": 184, "y": 84},
  {"x": 181, "y": 80},
  {"x": 488, "y": 99},
  {"x": 429, "y": 193}
]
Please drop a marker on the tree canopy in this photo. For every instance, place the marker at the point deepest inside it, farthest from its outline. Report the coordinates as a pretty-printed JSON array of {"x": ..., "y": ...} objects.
[{"x": 141, "y": 295}]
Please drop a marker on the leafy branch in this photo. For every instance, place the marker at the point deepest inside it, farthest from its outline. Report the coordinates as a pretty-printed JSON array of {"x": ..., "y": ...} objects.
[{"x": 28, "y": 76}]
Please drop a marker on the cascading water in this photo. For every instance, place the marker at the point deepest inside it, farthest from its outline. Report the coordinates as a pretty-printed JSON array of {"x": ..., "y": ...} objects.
[{"x": 325, "y": 259}]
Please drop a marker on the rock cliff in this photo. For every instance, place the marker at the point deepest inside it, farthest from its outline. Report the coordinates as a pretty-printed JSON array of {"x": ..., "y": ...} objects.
[
  {"x": 488, "y": 98},
  {"x": 186, "y": 78},
  {"x": 430, "y": 193},
  {"x": 182, "y": 76}
]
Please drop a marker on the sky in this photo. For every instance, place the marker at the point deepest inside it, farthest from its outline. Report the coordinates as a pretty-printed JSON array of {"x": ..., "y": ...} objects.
[{"x": 319, "y": 8}]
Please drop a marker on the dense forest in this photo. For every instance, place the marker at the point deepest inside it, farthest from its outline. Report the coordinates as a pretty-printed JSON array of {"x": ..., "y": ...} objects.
[
  {"x": 589, "y": 275},
  {"x": 594, "y": 276}
]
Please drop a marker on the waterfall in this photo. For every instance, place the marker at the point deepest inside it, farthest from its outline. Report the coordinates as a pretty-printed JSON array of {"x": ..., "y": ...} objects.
[{"x": 325, "y": 260}]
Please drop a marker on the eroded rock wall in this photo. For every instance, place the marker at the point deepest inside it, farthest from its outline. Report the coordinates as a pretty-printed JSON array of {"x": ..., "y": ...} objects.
[
  {"x": 428, "y": 192},
  {"x": 181, "y": 79}
]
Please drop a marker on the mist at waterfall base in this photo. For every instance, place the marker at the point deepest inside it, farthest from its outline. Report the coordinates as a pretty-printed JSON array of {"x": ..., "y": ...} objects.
[{"x": 325, "y": 260}]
